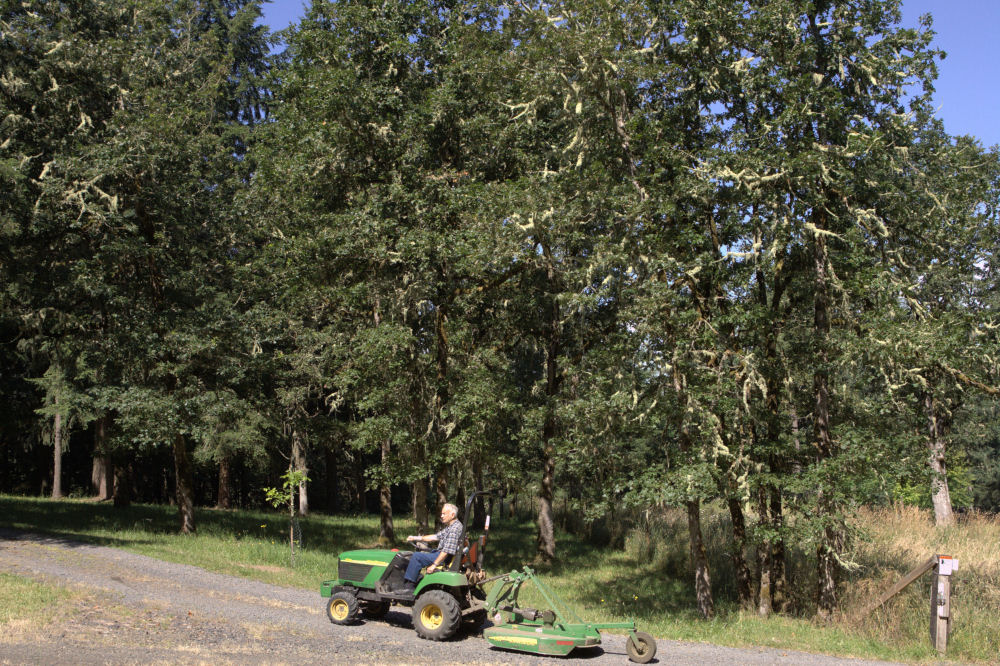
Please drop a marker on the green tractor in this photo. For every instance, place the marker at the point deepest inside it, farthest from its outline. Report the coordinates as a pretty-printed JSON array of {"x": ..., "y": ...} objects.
[
  {"x": 368, "y": 581},
  {"x": 446, "y": 600}
]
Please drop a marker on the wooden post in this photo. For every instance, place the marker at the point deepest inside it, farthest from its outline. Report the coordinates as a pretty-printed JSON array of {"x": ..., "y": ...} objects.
[
  {"x": 916, "y": 573},
  {"x": 941, "y": 601},
  {"x": 944, "y": 566}
]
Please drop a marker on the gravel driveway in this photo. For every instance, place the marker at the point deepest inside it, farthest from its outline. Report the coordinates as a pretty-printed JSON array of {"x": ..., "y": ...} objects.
[{"x": 136, "y": 609}]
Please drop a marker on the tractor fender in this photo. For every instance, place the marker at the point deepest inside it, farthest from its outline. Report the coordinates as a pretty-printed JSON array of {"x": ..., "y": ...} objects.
[{"x": 451, "y": 581}]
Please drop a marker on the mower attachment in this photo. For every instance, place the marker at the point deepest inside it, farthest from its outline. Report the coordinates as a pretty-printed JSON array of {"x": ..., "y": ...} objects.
[{"x": 552, "y": 632}]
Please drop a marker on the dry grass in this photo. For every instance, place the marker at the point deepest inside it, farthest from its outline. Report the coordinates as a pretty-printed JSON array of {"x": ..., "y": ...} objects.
[
  {"x": 899, "y": 538},
  {"x": 887, "y": 544}
]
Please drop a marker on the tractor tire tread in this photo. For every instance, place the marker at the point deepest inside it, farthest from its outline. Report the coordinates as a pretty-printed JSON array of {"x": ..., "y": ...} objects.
[
  {"x": 348, "y": 598},
  {"x": 451, "y": 613}
]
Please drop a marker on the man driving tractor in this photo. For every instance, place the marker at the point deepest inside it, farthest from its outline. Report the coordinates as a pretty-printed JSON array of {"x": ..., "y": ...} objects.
[{"x": 448, "y": 544}]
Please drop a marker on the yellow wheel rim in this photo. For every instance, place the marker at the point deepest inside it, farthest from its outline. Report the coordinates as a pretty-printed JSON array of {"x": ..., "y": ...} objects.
[
  {"x": 431, "y": 616},
  {"x": 339, "y": 610}
]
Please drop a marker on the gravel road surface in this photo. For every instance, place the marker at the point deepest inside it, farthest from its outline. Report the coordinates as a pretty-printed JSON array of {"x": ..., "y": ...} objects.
[{"x": 136, "y": 609}]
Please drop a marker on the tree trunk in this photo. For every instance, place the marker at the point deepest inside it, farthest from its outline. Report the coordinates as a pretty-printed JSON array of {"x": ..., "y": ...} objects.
[
  {"x": 291, "y": 524},
  {"x": 478, "y": 507},
  {"x": 546, "y": 547},
  {"x": 744, "y": 588},
  {"x": 100, "y": 478},
  {"x": 940, "y": 495},
  {"x": 225, "y": 495},
  {"x": 779, "y": 582},
  {"x": 826, "y": 579},
  {"x": 699, "y": 560},
  {"x": 460, "y": 499},
  {"x": 420, "y": 488},
  {"x": 300, "y": 465},
  {"x": 57, "y": 451},
  {"x": 386, "y": 533},
  {"x": 763, "y": 558},
  {"x": 304, "y": 498},
  {"x": 420, "y": 505},
  {"x": 826, "y": 574},
  {"x": 184, "y": 485},
  {"x": 122, "y": 496},
  {"x": 441, "y": 397},
  {"x": 100, "y": 472},
  {"x": 796, "y": 443}
]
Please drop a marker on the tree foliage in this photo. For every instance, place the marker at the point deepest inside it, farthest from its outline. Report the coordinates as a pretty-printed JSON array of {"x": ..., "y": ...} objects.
[{"x": 625, "y": 254}]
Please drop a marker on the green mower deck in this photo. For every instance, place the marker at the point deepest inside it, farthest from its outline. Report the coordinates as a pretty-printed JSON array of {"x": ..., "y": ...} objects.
[
  {"x": 555, "y": 632},
  {"x": 538, "y": 639}
]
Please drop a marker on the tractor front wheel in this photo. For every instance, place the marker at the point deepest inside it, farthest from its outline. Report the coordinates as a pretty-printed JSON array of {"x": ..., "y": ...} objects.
[
  {"x": 436, "y": 615},
  {"x": 641, "y": 647},
  {"x": 342, "y": 607}
]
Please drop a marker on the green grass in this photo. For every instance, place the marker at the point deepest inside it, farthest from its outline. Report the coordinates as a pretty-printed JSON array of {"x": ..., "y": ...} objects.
[
  {"x": 26, "y": 600},
  {"x": 646, "y": 581}
]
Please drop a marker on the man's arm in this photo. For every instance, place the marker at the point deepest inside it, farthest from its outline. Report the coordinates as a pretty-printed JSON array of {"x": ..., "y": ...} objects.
[
  {"x": 441, "y": 555},
  {"x": 428, "y": 537}
]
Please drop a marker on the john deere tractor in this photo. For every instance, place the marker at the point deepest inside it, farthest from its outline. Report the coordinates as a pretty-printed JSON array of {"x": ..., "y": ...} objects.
[{"x": 368, "y": 581}]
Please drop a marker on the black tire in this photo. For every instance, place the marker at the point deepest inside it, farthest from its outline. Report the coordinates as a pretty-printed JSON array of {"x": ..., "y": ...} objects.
[
  {"x": 374, "y": 610},
  {"x": 436, "y": 615},
  {"x": 646, "y": 650},
  {"x": 342, "y": 607}
]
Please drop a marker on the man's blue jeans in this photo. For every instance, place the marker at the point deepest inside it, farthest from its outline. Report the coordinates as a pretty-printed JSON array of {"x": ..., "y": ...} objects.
[{"x": 418, "y": 561}]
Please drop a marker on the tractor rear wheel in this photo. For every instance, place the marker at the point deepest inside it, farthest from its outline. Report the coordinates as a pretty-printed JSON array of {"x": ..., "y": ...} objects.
[
  {"x": 374, "y": 610},
  {"x": 646, "y": 649},
  {"x": 342, "y": 607},
  {"x": 436, "y": 615}
]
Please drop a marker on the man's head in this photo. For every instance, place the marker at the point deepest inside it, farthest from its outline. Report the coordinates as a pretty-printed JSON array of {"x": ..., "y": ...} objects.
[{"x": 448, "y": 513}]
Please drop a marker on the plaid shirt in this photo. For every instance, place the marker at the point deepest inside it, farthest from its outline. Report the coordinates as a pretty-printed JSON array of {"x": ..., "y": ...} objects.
[{"x": 449, "y": 536}]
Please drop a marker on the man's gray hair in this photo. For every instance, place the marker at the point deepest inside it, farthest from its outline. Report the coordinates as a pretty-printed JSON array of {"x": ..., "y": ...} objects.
[{"x": 452, "y": 508}]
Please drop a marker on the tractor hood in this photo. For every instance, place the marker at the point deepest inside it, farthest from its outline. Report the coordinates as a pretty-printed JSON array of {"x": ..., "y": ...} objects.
[
  {"x": 363, "y": 567},
  {"x": 371, "y": 558}
]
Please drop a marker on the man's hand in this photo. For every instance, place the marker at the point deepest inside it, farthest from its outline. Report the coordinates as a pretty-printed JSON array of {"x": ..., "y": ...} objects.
[
  {"x": 413, "y": 538},
  {"x": 431, "y": 568}
]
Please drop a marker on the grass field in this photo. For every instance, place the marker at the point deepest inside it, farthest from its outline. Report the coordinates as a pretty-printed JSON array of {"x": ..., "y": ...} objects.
[
  {"x": 26, "y": 603},
  {"x": 647, "y": 580}
]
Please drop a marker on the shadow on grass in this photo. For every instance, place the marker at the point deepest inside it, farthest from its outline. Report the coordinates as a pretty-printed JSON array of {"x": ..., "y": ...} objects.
[
  {"x": 638, "y": 590},
  {"x": 104, "y": 524},
  {"x": 65, "y": 539}
]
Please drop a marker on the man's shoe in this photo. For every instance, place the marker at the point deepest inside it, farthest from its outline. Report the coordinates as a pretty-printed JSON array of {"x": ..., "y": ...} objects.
[{"x": 407, "y": 588}]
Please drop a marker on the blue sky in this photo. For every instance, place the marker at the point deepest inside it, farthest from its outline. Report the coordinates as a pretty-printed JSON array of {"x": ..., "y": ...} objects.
[{"x": 967, "y": 92}]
